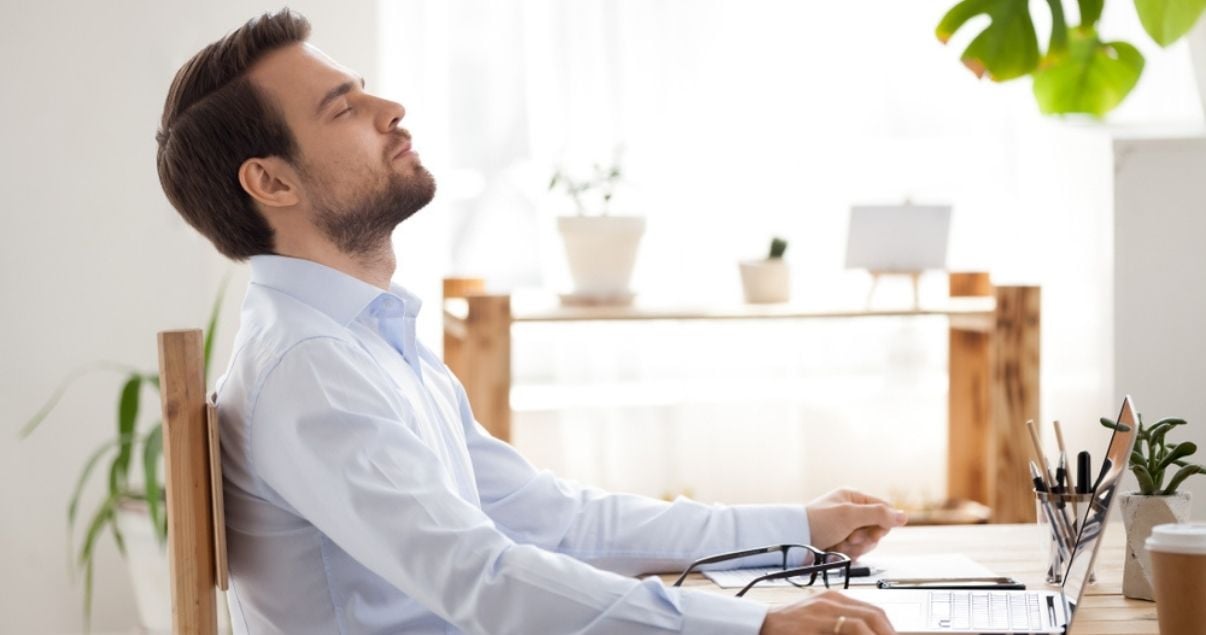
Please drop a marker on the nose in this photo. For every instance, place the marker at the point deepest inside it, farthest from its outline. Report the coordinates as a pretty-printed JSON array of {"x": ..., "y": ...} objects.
[{"x": 391, "y": 115}]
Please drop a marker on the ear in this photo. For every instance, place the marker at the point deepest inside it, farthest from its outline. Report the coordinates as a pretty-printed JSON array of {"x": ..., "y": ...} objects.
[{"x": 271, "y": 181}]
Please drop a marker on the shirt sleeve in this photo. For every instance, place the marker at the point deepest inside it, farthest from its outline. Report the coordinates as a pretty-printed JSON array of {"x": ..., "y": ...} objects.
[
  {"x": 338, "y": 447},
  {"x": 625, "y": 533}
]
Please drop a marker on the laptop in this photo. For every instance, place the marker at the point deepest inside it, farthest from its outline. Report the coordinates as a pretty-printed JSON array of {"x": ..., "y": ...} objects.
[{"x": 1047, "y": 611}]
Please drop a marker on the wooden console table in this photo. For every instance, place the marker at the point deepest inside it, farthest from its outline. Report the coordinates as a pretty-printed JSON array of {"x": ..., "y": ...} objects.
[{"x": 994, "y": 369}]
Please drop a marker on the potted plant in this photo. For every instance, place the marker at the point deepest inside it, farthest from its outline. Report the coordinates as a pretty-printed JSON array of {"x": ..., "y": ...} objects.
[
  {"x": 767, "y": 280},
  {"x": 601, "y": 248},
  {"x": 1079, "y": 72},
  {"x": 1154, "y": 458},
  {"x": 135, "y": 515}
]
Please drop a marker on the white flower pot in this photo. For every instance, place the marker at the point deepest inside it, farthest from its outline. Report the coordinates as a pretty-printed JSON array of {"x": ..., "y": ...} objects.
[
  {"x": 148, "y": 565},
  {"x": 766, "y": 281},
  {"x": 602, "y": 252},
  {"x": 1139, "y": 515},
  {"x": 150, "y": 572}
]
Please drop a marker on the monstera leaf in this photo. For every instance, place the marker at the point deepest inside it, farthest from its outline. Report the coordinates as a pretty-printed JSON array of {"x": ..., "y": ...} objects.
[
  {"x": 1006, "y": 49},
  {"x": 1090, "y": 77},
  {"x": 1167, "y": 20}
]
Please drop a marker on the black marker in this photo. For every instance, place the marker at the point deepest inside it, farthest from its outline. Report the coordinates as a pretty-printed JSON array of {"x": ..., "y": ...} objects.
[{"x": 1083, "y": 468}]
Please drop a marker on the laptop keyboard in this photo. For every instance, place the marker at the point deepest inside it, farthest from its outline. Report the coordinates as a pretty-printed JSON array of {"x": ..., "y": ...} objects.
[{"x": 985, "y": 610}]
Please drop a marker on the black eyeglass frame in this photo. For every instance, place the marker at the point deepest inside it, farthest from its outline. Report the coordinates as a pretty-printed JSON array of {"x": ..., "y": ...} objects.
[{"x": 841, "y": 561}]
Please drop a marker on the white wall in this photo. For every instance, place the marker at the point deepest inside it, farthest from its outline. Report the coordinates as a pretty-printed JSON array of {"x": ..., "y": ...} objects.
[
  {"x": 1160, "y": 285},
  {"x": 93, "y": 259}
]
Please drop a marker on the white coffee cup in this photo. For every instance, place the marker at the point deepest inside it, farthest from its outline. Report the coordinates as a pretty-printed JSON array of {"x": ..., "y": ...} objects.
[{"x": 1178, "y": 555}]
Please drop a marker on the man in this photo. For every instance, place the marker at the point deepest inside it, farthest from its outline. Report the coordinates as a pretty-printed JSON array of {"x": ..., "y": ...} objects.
[{"x": 361, "y": 496}]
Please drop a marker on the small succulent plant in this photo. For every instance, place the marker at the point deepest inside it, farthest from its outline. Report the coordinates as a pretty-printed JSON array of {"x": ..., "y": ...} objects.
[
  {"x": 1154, "y": 456},
  {"x": 778, "y": 246}
]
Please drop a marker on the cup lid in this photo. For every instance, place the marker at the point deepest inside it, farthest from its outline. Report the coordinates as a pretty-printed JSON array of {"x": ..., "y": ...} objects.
[{"x": 1178, "y": 538}]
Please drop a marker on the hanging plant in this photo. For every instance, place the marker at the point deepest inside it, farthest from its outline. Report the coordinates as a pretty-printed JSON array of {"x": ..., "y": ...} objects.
[{"x": 1080, "y": 72}]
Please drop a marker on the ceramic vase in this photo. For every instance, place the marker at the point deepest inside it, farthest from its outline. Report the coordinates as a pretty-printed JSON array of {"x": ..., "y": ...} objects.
[
  {"x": 766, "y": 281},
  {"x": 602, "y": 252},
  {"x": 1139, "y": 514}
]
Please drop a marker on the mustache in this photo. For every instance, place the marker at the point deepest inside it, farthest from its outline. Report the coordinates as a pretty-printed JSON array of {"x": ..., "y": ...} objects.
[{"x": 401, "y": 139}]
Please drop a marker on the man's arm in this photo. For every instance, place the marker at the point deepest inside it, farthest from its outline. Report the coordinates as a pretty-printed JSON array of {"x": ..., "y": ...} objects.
[
  {"x": 624, "y": 533},
  {"x": 635, "y": 534},
  {"x": 333, "y": 446}
]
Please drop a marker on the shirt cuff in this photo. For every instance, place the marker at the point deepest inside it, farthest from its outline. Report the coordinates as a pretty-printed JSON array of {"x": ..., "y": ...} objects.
[
  {"x": 705, "y": 613},
  {"x": 763, "y": 525}
]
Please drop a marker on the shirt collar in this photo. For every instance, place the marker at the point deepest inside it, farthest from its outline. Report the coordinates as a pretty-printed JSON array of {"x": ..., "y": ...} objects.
[{"x": 334, "y": 293}]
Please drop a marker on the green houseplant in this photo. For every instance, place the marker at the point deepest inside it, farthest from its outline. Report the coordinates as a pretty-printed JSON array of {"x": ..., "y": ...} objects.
[
  {"x": 601, "y": 247},
  {"x": 1154, "y": 458},
  {"x": 127, "y": 450},
  {"x": 1079, "y": 71}
]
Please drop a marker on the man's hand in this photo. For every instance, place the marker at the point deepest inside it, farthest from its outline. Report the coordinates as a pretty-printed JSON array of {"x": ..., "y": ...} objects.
[
  {"x": 826, "y": 613},
  {"x": 851, "y": 522}
]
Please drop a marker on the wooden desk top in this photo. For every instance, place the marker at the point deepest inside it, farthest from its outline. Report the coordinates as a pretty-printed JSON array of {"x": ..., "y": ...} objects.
[
  {"x": 545, "y": 308},
  {"x": 1013, "y": 550}
]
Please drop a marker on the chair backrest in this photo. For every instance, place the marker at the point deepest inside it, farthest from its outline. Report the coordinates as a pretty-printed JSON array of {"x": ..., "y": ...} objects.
[{"x": 193, "y": 483}]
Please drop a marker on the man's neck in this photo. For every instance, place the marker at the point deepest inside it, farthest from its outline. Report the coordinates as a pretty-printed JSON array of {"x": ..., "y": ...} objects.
[{"x": 376, "y": 267}]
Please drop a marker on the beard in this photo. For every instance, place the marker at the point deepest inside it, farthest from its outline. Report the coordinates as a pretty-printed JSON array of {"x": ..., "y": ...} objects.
[{"x": 363, "y": 227}]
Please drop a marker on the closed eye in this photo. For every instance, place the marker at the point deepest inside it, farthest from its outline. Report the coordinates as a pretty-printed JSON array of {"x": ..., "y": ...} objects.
[{"x": 343, "y": 112}]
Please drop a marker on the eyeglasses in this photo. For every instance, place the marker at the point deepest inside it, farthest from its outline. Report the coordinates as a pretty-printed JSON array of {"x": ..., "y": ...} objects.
[{"x": 822, "y": 562}]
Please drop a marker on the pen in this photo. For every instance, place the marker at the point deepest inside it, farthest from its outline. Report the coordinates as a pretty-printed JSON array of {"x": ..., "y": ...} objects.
[
  {"x": 1063, "y": 455},
  {"x": 1056, "y": 519}
]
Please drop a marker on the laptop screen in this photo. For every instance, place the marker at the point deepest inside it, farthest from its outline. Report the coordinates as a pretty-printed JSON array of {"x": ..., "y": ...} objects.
[{"x": 1113, "y": 469}]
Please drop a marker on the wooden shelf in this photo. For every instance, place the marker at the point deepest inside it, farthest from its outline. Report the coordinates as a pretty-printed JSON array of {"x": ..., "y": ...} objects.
[{"x": 993, "y": 370}]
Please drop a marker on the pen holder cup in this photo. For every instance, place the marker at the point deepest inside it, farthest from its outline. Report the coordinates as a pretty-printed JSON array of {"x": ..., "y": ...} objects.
[{"x": 1060, "y": 517}]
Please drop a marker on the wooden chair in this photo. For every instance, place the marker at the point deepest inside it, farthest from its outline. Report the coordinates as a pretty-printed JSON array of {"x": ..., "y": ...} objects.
[{"x": 193, "y": 483}]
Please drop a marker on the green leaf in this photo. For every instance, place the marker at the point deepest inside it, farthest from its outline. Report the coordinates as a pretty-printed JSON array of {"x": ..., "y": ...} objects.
[
  {"x": 1090, "y": 12},
  {"x": 1167, "y": 20},
  {"x": 1146, "y": 486},
  {"x": 212, "y": 328},
  {"x": 61, "y": 389},
  {"x": 1181, "y": 475},
  {"x": 1092, "y": 78},
  {"x": 89, "y": 465},
  {"x": 1121, "y": 427},
  {"x": 1006, "y": 49},
  {"x": 127, "y": 416},
  {"x": 1179, "y": 451},
  {"x": 103, "y": 515},
  {"x": 152, "y": 449},
  {"x": 1059, "y": 28}
]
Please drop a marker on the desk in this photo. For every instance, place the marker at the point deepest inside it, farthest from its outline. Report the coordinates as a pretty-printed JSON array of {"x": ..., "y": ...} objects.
[
  {"x": 993, "y": 370},
  {"x": 1012, "y": 550}
]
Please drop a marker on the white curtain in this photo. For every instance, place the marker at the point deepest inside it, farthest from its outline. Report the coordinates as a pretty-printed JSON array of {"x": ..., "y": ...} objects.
[{"x": 740, "y": 120}]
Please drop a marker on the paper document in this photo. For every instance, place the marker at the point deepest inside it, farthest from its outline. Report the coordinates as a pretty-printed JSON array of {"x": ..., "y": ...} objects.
[{"x": 944, "y": 565}]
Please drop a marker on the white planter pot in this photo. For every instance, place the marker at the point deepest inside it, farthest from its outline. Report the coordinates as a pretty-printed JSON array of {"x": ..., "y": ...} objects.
[
  {"x": 602, "y": 252},
  {"x": 766, "y": 281},
  {"x": 148, "y": 565},
  {"x": 150, "y": 573},
  {"x": 1139, "y": 515}
]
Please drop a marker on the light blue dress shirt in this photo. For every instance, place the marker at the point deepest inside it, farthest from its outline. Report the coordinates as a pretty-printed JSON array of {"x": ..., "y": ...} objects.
[{"x": 362, "y": 497}]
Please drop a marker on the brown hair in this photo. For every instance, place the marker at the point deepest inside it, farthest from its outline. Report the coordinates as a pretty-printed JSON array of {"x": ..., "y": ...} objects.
[{"x": 213, "y": 121}]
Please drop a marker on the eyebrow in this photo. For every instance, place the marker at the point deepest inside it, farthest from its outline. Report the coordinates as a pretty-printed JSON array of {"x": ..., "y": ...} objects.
[{"x": 336, "y": 93}]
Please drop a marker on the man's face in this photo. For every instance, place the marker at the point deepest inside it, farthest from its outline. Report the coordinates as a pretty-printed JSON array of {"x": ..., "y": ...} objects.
[{"x": 358, "y": 172}]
